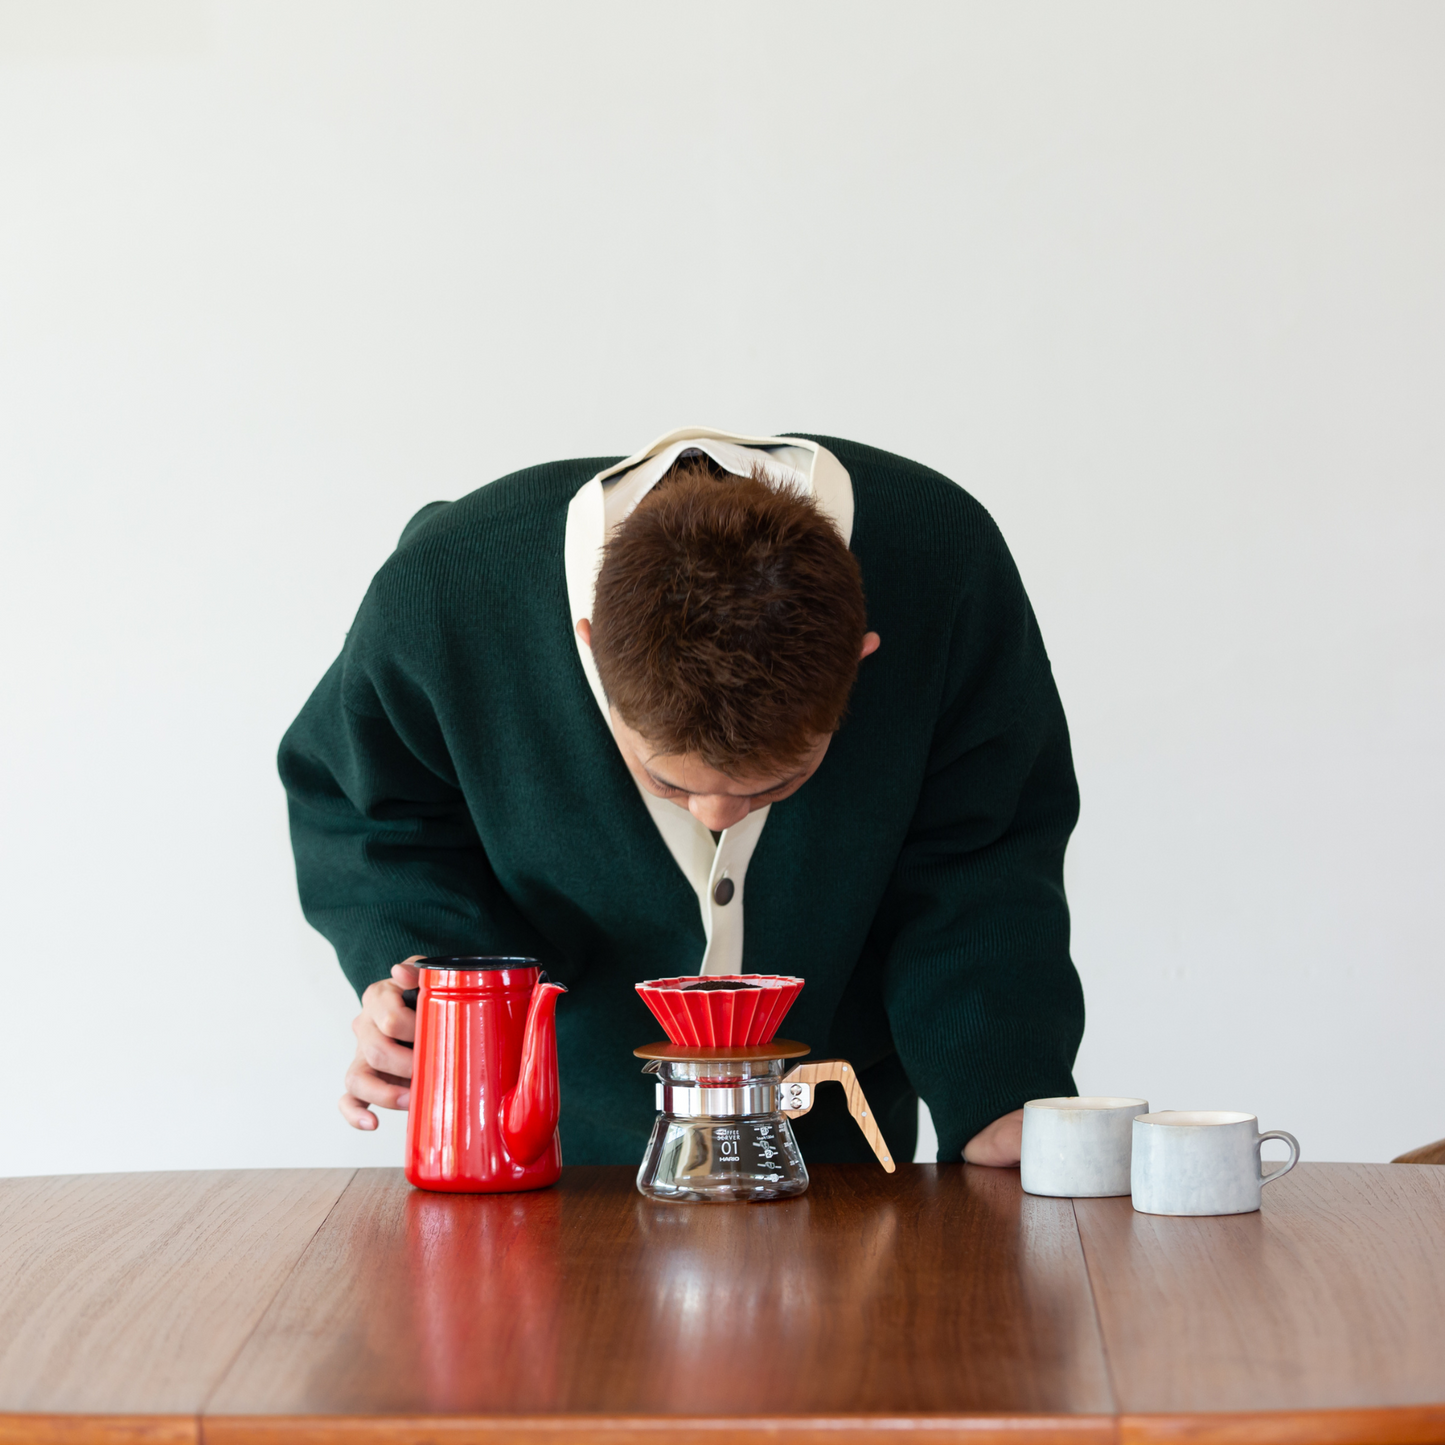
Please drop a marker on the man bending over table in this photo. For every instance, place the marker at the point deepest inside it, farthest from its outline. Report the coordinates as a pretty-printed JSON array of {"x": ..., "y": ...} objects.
[{"x": 762, "y": 705}]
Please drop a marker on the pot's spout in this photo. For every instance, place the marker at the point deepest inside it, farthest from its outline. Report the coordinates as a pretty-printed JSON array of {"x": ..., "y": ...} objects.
[{"x": 530, "y": 1109}]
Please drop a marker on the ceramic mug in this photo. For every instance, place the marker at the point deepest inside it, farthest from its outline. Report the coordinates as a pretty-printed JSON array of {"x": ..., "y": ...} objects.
[
  {"x": 1202, "y": 1161},
  {"x": 1078, "y": 1148}
]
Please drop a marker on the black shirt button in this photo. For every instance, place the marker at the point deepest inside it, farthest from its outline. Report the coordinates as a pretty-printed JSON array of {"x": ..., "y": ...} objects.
[{"x": 723, "y": 893}]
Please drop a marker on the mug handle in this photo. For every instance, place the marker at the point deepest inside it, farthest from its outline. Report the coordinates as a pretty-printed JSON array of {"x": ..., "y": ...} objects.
[{"x": 1288, "y": 1165}]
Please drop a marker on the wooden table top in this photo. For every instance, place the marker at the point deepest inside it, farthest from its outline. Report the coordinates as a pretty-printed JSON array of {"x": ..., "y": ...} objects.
[{"x": 940, "y": 1303}]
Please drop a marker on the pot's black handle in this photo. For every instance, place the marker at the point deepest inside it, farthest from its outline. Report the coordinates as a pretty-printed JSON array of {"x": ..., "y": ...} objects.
[{"x": 408, "y": 997}]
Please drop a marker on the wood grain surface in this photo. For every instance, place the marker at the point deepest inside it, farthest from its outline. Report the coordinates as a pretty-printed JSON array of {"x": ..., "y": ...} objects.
[
  {"x": 935, "y": 1291},
  {"x": 938, "y": 1303},
  {"x": 128, "y": 1295},
  {"x": 1330, "y": 1298}
]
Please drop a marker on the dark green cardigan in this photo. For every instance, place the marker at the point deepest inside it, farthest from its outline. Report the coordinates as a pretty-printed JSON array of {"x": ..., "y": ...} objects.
[{"x": 454, "y": 789}]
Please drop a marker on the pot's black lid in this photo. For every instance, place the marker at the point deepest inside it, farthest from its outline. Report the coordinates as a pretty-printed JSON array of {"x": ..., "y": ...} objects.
[{"x": 476, "y": 963}]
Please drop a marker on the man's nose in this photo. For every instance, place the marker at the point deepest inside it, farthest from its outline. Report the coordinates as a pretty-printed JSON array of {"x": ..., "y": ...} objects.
[{"x": 717, "y": 811}]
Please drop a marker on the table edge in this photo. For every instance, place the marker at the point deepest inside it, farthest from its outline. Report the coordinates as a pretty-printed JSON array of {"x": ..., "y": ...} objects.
[
  {"x": 1362, "y": 1425},
  {"x": 633, "y": 1429},
  {"x": 1387, "y": 1425},
  {"x": 53, "y": 1427}
]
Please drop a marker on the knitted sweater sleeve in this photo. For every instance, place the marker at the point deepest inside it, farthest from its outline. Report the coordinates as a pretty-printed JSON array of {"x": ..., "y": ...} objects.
[
  {"x": 388, "y": 859},
  {"x": 984, "y": 1004}
]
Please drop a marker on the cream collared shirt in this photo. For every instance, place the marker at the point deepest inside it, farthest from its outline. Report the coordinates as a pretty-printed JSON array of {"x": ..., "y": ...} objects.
[{"x": 594, "y": 514}]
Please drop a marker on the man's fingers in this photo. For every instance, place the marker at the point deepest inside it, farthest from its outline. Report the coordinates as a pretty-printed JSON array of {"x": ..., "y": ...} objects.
[
  {"x": 999, "y": 1144},
  {"x": 371, "y": 1086},
  {"x": 356, "y": 1113},
  {"x": 382, "y": 1004},
  {"x": 382, "y": 1053},
  {"x": 380, "y": 1074}
]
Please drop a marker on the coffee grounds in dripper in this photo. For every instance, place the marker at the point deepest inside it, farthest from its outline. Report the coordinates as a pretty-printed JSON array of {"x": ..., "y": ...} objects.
[{"x": 721, "y": 1011}]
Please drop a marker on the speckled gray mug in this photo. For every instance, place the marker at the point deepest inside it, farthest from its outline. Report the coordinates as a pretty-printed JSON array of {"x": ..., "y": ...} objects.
[
  {"x": 1202, "y": 1161},
  {"x": 1078, "y": 1148}
]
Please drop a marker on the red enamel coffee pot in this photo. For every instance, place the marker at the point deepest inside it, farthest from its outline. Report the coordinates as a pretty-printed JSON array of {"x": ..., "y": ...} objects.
[{"x": 484, "y": 1090}]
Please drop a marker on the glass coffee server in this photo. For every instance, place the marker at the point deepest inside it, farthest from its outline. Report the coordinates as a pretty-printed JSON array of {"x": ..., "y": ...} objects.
[{"x": 723, "y": 1097}]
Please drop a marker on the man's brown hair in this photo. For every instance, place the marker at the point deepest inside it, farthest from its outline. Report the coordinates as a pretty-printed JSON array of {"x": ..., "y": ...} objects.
[{"x": 728, "y": 619}]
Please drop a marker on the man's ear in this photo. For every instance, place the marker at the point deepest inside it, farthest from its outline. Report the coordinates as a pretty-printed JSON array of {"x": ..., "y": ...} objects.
[
  {"x": 584, "y": 631},
  {"x": 871, "y": 642}
]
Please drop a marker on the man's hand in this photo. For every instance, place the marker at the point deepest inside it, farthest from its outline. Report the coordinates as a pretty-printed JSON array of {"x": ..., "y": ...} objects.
[
  {"x": 1001, "y": 1144},
  {"x": 381, "y": 1071}
]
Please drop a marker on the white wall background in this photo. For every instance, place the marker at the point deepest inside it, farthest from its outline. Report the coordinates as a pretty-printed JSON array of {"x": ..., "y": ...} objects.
[{"x": 1160, "y": 283}]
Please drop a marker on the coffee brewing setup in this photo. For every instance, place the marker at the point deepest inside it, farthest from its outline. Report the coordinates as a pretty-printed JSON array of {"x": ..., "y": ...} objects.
[
  {"x": 485, "y": 1095},
  {"x": 724, "y": 1098}
]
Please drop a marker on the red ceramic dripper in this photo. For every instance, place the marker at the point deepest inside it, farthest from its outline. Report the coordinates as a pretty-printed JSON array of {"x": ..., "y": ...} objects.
[{"x": 723, "y": 1010}]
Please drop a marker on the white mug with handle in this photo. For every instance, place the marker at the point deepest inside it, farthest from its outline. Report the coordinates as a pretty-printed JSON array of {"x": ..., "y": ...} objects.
[{"x": 1201, "y": 1161}]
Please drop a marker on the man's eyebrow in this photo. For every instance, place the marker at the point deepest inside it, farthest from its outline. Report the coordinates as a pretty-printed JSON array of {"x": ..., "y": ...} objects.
[{"x": 663, "y": 783}]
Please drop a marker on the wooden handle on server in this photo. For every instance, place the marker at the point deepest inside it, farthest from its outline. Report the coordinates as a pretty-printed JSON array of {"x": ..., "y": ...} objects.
[{"x": 842, "y": 1073}]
